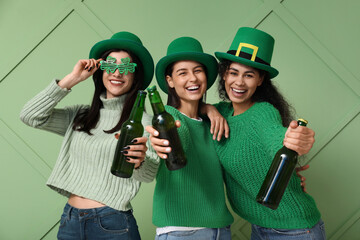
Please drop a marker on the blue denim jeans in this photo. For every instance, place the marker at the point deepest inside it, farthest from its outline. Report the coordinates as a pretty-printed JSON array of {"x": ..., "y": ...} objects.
[
  {"x": 97, "y": 223},
  {"x": 315, "y": 233},
  {"x": 202, "y": 234}
]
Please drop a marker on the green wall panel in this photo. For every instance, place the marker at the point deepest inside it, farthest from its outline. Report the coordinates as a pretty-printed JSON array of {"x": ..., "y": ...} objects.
[
  {"x": 315, "y": 53},
  {"x": 353, "y": 232},
  {"x": 27, "y": 207},
  {"x": 334, "y": 23},
  {"x": 53, "y": 58},
  {"x": 22, "y": 29},
  {"x": 333, "y": 179},
  {"x": 142, "y": 205},
  {"x": 307, "y": 81}
]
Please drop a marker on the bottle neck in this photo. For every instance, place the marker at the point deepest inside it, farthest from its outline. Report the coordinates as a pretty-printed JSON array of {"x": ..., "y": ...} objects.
[
  {"x": 156, "y": 103},
  {"x": 138, "y": 108}
]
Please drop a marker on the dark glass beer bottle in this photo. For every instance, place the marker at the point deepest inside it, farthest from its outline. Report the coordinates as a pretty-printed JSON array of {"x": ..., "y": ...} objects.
[
  {"x": 130, "y": 129},
  {"x": 278, "y": 176},
  {"x": 164, "y": 123}
]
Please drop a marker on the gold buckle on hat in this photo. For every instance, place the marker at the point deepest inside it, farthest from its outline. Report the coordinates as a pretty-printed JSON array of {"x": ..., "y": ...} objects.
[{"x": 247, "y": 45}]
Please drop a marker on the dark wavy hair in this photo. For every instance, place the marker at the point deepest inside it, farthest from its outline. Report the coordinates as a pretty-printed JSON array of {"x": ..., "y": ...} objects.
[
  {"x": 174, "y": 99},
  {"x": 266, "y": 92},
  {"x": 87, "y": 119}
]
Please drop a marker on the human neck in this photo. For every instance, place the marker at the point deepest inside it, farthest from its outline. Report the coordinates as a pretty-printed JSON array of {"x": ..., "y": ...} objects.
[
  {"x": 190, "y": 109},
  {"x": 240, "y": 108}
]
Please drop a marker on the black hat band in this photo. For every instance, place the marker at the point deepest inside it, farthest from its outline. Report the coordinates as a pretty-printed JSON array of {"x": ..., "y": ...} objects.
[{"x": 247, "y": 56}]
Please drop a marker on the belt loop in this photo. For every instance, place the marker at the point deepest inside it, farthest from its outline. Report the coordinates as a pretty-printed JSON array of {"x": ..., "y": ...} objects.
[{"x": 69, "y": 212}]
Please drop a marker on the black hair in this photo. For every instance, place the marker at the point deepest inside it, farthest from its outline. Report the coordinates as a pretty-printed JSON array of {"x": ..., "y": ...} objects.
[
  {"x": 87, "y": 119},
  {"x": 174, "y": 99},
  {"x": 266, "y": 92}
]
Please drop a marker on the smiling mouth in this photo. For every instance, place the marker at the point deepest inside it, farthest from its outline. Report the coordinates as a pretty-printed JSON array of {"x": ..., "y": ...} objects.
[
  {"x": 193, "y": 88},
  {"x": 238, "y": 91},
  {"x": 117, "y": 82}
]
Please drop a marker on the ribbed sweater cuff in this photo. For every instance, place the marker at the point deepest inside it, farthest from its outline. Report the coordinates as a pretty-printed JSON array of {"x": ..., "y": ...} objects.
[{"x": 55, "y": 92}]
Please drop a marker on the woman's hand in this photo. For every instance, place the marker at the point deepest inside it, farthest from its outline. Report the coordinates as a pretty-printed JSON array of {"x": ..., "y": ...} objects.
[
  {"x": 299, "y": 138},
  {"x": 219, "y": 126},
  {"x": 136, "y": 152},
  {"x": 82, "y": 70},
  {"x": 302, "y": 178},
  {"x": 161, "y": 146}
]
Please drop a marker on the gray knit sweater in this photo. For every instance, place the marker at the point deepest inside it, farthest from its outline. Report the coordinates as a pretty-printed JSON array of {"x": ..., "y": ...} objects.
[{"x": 84, "y": 162}]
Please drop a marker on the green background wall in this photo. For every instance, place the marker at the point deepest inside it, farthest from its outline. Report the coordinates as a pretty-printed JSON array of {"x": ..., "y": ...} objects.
[{"x": 316, "y": 51}]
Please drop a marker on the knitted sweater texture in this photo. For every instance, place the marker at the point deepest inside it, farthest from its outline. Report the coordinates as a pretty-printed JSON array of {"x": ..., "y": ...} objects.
[
  {"x": 255, "y": 136},
  {"x": 194, "y": 195},
  {"x": 84, "y": 162}
]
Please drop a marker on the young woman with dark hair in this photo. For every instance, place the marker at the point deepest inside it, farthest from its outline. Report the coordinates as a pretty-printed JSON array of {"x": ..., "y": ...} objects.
[
  {"x": 198, "y": 186},
  {"x": 258, "y": 115},
  {"x": 189, "y": 203},
  {"x": 98, "y": 204},
  {"x": 87, "y": 119}
]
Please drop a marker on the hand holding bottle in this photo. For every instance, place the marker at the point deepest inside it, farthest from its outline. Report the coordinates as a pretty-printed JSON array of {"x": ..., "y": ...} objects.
[
  {"x": 278, "y": 175},
  {"x": 135, "y": 152},
  {"x": 165, "y": 125},
  {"x": 161, "y": 146},
  {"x": 299, "y": 138}
]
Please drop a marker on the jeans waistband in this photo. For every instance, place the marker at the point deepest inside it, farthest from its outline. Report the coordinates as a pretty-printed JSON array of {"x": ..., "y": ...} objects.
[{"x": 88, "y": 213}]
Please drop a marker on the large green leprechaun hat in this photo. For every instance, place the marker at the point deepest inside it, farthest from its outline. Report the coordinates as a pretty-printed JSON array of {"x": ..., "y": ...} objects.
[
  {"x": 127, "y": 41},
  {"x": 186, "y": 48},
  {"x": 251, "y": 47}
]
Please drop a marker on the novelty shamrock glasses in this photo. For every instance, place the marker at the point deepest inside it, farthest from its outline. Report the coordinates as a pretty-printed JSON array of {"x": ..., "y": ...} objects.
[{"x": 110, "y": 66}]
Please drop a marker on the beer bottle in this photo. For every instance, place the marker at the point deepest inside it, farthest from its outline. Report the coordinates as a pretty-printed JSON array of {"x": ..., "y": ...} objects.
[
  {"x": 278, "y": 176},
  {"x": 130, "y": 129},
  {"x": 164, "y": 123}
]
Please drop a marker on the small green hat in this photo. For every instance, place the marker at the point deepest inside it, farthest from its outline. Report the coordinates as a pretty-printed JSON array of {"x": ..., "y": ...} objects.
[
  {"x": 186, "y": 48},
  {"x": 131, "y": 42},
  {"x": 251, "y": 47}
]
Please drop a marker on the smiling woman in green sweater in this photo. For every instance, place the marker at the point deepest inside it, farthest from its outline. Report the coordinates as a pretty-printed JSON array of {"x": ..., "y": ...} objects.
[
  {"x": 256, "y": 116},
  {"x": 98, "y": 202},
  {"x": 189, "y": 203}
]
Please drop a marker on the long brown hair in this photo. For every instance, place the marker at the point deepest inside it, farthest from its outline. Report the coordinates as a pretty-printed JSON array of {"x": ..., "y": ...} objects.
[{"x": 87, "y": 119}]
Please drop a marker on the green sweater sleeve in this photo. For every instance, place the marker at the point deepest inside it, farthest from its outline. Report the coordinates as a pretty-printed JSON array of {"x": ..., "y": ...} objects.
[{"x": 268, "y": 128}]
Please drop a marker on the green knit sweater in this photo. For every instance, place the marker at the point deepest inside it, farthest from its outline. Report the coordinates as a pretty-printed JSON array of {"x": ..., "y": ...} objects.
[
  {"x": 84, "y": 162},
  {"x": 255, "y": 137},
  {"x": 194, "y": 195}
]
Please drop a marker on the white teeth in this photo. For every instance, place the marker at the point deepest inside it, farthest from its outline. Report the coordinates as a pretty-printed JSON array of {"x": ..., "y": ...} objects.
[
  {"x": 238, "y": 91},
  {"x": 116, "y": 82},
  {"x": 193, "y": 88}
]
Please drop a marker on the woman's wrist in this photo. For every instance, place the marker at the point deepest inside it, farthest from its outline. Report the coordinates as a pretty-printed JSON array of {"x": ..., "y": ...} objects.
[{"x": 68, "y": 81}]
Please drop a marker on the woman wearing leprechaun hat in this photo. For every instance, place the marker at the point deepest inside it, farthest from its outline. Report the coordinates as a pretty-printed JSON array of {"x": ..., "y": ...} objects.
[
  {"x": 189, "y": 203},
  {"x": 99, "y": 202},
  {"x": 257, "y": 115}
]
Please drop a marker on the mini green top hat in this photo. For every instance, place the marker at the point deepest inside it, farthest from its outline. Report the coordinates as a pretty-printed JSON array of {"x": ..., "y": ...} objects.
[
  {"x": 131, "y": 42},
  {"x": 251, "y": 47},
  {"x": 186, "y": 48}
]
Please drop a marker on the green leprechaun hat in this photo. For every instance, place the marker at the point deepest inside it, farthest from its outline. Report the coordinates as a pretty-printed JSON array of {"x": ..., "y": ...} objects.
[
  {"x": 127, "y": 41},
  {"x": 186, "y": 48},
  {"x": 251, "y": 47}
]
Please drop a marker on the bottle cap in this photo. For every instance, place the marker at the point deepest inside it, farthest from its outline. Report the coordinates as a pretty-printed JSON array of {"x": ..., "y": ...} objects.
[
  {"x": 142, "y": 92},
  {"x": 151, "y": 89},
  {"x": 302, "y": 120}
]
